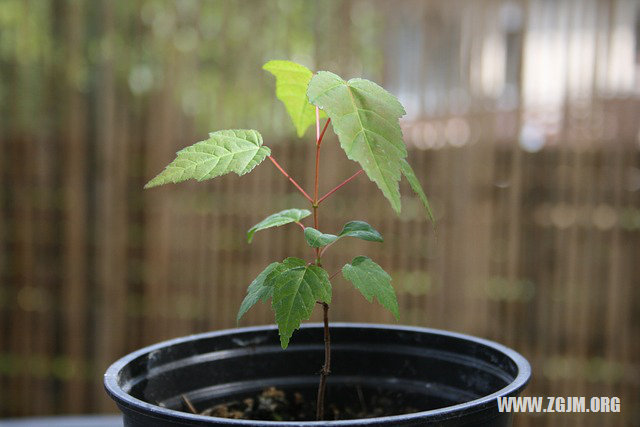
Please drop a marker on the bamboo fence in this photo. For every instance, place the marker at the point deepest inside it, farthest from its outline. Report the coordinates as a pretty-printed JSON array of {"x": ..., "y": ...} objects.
[{"x": 536, "y": 188}]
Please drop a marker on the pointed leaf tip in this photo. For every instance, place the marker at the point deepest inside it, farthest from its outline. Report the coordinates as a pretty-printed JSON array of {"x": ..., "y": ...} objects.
[
  {"x": 408, "y": 173},
  {"x": 225, "y": 151}
]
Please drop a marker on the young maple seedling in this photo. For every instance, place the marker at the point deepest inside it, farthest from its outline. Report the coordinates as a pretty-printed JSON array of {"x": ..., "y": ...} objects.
[{"x": 365, "y": 117}]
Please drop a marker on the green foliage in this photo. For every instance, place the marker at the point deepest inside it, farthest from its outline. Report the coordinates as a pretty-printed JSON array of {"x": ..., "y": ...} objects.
[
  {"x": 292, "y": 80},
  {"x": 277, "y": 219},
  {"x": 258, "y": 290},
  {"x": 317, "y": 239},
  {"x": 365, "y": 118},
  {"x": 408, "y": 172},
  {"x": 358, "y": 229},
  {"x": 361, "y": 230},
  {"x": 296, "y": 288},
  {"x": 224, "y": 151},
  {"x": 372, "y": 281}
]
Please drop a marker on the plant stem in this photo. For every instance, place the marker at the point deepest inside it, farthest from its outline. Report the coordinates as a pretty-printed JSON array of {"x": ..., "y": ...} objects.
[
  {"x": 293, "y": 181},
  {"x": 315, "y": 193},
  {"x": 323, "y": 131},
  {"x": 326, "y": 368},
  {"x": 324, "y": 249},
  {"x": 315, "y": 225},
  {"x": 345, "y": 182},
  {"x": 314, "y": 203}
]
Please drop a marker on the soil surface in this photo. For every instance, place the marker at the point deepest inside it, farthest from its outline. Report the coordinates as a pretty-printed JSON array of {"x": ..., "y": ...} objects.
[{"x": 283, "y": 405}]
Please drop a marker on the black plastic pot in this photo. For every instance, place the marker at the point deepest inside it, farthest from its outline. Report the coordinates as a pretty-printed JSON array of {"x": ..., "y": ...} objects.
[{"x": 452, "y": 379}]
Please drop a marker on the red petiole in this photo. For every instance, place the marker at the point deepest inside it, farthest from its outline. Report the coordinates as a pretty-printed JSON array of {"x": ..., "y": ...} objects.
[
  {"x": 293, "y": 181},
  {"x": 345, "y": 182}
]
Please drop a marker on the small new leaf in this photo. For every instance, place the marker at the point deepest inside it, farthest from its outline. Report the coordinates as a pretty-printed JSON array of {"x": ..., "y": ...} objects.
[
  {"x": 259, "y": 289},
  {"x": 316, "y": 239},
  {"x": 372, "y": 281},
  {"x": 296, "y": 288},
  {"x": 357, "y": 229},
  {"x": 277, "y": 219},
  {"x": 292, "y": 80},
  {"x": 361, "y": 230},
  {"x": 365, "y": 118},
  {"x": 224, "y": 151},
  {"x": 408, "y": 173}
]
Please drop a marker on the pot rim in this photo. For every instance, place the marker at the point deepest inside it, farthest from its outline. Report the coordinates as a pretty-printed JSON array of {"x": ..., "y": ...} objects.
[{"x": 123, "y": 398}]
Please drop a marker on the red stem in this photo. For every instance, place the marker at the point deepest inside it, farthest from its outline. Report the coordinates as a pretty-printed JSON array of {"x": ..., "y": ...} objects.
[
  {"x": 345, "y": 182},
  {"x": 323, "y": 131},
  {"x": 315, "y": 191},
  {"x": 314, "y": 203},
  {"x": 324, "y": 249},
  {"x": 317, "y": 125},
  {"x": 293, "y": 181}
]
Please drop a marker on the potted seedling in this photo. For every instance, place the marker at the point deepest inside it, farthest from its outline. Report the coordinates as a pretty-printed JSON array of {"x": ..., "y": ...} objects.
[{"x": 380, "y": 375}]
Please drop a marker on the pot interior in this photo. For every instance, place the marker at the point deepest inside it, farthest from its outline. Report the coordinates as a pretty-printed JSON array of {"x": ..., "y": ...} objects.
[{"x": 422, "y": 370}]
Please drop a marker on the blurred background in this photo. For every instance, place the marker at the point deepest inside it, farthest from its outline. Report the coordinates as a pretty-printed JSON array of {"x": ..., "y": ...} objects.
[{"x": 522, "y": 124}]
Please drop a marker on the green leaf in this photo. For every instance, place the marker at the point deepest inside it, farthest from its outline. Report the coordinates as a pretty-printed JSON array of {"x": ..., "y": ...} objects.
[
  {"x": 277, "y": 219},
  {"x": 372, "y": 281},
  {"x": 361, "y": 230},
  {"x": 365, "y": 118},
  {"x": 295, "y": 292},
  {"x": 292, "y": 80},
  {"x": 316, "y": 239},
  {"x": 408, "y": 172},
  {"x": 262, "y": 286},
  {"x": 358, "y": 229},
  {"x": 259, "y": 289},
  {"x": 224, "y": 151}
]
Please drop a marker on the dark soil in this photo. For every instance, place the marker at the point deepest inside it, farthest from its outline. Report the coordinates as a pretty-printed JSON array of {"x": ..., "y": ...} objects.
[{"x": 283, "y": 405}]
